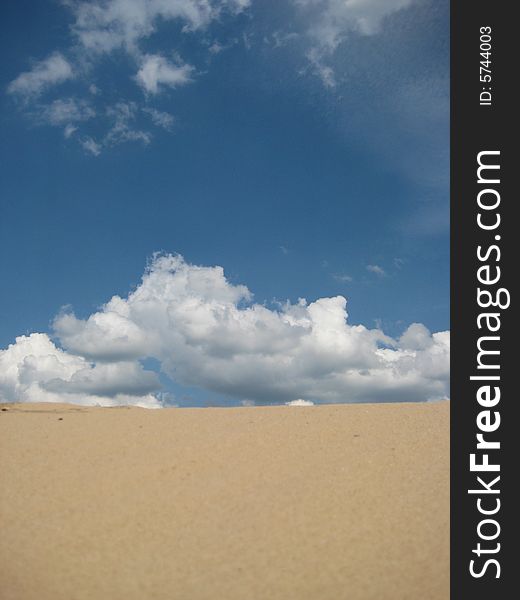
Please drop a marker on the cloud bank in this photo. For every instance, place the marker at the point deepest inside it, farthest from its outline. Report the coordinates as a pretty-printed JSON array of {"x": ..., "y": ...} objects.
[{"x": 209, "y": 333}]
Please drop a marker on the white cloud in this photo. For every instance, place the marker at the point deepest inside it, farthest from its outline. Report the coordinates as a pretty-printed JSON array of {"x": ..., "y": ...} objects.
[
  {"x": 160, "y": 118},
  {"x": 69, "y": 131},
  {"x": 299, "y": 402},
  {"x": 216, "y": 48},
  {"x": 91, "y": 146},
  {"x": 416, "y": 337},
  {"x": 125, "y": 339},
  {"x": 53, "y": 70},
  {"x": 323, "y": 71},
  {"x": 332, "y": 20},
  {"x": 104, "y": 26},
  {"x": 65, "y": 111},
  {"x": 377, "y": 270},
  {"x": 34, "y": 370},
  {"x": 342, "y": 278},
  {"x": 157, "y": 71},
  {"x": 123, "y": 114},
  {"x": 207, "y": 332},
  {"x": 101, "y": 27},
  {"x": 328, "y": 23},
  {"x": 279, "y": 39}
]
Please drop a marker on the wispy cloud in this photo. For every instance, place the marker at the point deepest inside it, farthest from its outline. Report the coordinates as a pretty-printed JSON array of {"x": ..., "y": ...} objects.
[
  {"x": 69, "y": 131},
  {"x": 102, "y": 30},
  {"x": 123, "y": 115},
  {"x": 99, "y": 29},
  {"x": 342, "y": 277},
  {"x": 160, "y": 118},
  {"x": 51, "y": 71},
  {"x": 65, "y": 111},
  {"x": 321, "y": 69},
  {"x": 330, "y": 22},
  {"x": 217, "y": 47},
  {"x": 377, "y": 270},
  {"x": 91, "y": 146}
]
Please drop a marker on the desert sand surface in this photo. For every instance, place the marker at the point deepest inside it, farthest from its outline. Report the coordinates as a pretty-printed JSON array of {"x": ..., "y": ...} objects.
[{"x": 273, "y": 503}]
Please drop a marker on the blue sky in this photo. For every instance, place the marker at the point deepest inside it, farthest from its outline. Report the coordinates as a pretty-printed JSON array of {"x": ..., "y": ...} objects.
[{"x": 302, "y": 146}]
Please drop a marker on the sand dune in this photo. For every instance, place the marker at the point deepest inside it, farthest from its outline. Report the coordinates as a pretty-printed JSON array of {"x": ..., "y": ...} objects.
[{"x": 278, "y": 503}]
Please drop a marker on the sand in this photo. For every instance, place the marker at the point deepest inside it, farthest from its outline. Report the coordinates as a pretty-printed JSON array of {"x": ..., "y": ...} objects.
[{"x": 295, "y": 503}]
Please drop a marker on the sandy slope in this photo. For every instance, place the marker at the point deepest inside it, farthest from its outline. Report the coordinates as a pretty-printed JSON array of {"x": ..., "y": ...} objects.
[{"x": 280, "y": 503}]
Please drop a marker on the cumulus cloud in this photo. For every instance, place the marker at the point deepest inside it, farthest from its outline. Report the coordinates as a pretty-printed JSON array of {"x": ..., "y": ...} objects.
[
  {"x": 53, "y": 70},
  {"x": 416, "y": 337},
  {"x": 33, "y": 369},
  {"x": 209, "y": 333},
  {"x": 157, "y": 72}
]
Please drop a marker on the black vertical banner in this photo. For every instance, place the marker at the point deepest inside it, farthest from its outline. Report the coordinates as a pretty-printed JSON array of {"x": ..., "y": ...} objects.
[{"x": 483, "y": 268}]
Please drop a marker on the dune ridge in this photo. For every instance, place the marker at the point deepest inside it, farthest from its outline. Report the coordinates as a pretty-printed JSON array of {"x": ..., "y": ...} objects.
[{"x": 280, "y": 503}]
